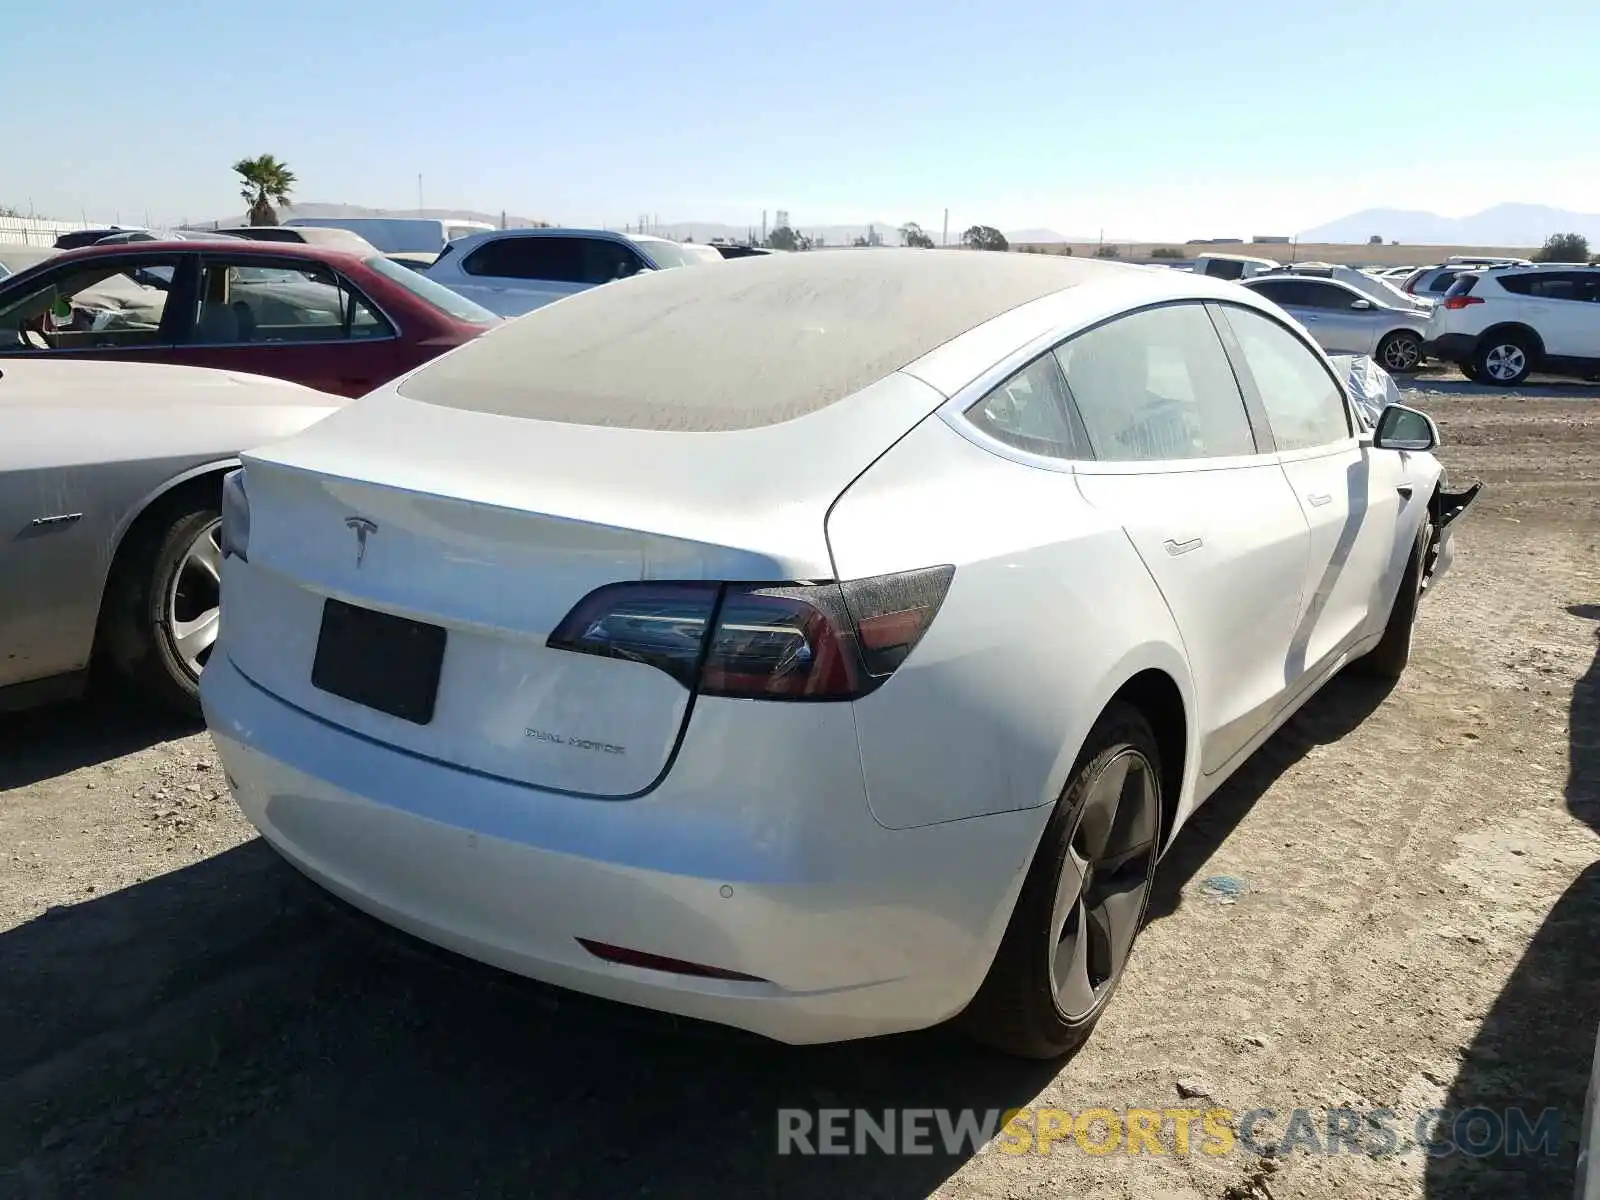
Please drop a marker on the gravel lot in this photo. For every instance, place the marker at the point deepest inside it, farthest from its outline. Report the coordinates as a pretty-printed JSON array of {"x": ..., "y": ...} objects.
[{"x": 182, "y": 1016}]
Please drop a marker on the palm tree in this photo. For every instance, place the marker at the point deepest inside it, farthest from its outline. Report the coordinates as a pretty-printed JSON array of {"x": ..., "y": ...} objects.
[{"x": 266, "y": 180}]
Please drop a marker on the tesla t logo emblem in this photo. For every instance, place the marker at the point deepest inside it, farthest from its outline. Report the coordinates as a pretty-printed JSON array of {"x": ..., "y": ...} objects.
[{"x": 362, "y": 528}]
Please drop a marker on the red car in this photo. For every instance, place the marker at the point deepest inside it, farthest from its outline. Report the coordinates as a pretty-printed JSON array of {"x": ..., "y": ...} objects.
[{"x": 336, "y": 321}]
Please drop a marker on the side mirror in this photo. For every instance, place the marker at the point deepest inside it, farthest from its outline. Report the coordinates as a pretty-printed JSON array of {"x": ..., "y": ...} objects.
[
  {"x": 1363, "y": 305},
  {"x": 1402, "y": 428}
]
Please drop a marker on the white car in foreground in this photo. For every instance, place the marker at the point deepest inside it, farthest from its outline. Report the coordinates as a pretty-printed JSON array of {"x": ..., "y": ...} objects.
[{"x": 827, "y": 644}]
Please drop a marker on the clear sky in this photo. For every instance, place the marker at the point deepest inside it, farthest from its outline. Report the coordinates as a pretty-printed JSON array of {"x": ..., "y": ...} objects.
[{"x": 1145, "y": 118}]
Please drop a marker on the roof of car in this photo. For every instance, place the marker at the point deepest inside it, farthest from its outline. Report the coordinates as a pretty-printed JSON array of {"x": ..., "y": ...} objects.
[
  {"x": 235, "y": 246},
  {"x": 759, "y": 341}
]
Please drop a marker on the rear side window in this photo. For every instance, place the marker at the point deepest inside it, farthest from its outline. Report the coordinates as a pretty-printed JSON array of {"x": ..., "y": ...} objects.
[
  {"x": 1463, "y": 285},
  {"x": 1156, "y": 385},
  {"x": 1303, "y": 401},
  {"x": 1441, "y": 282},
  {"x": 1031, "y": 412},
  {"x": 1546, "y": 285}
]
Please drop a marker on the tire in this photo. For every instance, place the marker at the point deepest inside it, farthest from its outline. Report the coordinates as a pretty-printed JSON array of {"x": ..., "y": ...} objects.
[
  {"x": 1389, "y": 658},
  {"x": 163, "y": 600},
  {"x": 1505, "y": 360},
  {"x": 1020, "y": 1009},
  {"x": 1470, "y": 371},
  {"x": 1400, "y": 352}
]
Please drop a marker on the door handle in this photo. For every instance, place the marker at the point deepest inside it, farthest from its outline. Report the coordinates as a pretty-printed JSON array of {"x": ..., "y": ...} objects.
[
  {"x": 1318, "y": 499},
  {"x": 1175, "y": 547}
]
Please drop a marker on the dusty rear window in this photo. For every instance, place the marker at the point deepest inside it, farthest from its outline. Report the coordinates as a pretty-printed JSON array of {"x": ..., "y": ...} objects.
[{"x": 754, "y": 342}]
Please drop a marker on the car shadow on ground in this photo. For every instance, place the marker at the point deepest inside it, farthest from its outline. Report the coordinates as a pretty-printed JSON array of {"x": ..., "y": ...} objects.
[
  {"x": 1336, "y": 710},
  {"x": 1534, "y": 1048},
  {"x": 1539, "y": 389},
  {"x": 107, "y": 723},
  {"x": 227, "y": 1029}
]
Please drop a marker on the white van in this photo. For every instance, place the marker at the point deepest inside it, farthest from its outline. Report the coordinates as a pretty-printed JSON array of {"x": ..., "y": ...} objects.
[{"x": 400, "y": 235}]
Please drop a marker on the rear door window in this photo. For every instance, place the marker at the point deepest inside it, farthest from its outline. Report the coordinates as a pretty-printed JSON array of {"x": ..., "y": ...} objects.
[
  {"x": 1547, "y": 285},
  {"x": 1156, "y": 386},
  {"x": 256, "y": 300},
  {"x": 1327, "y": 296}
]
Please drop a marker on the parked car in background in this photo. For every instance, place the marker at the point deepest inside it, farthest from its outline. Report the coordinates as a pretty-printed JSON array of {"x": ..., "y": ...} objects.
[
  {"x": 706, "y": 253},
  {"x": 1380, "y": 290},
  {"x": 338, "y": 322},
  {"x": 731, "y": 251},
  {"x": 1232, "y": 266},
  {"x": 15, "y": 259},
  {"x": 513, "y": 271},
  {"x": 110, "y": 486},
  {"x": 330, "y": 239},
  {"x": 412, "y": 260},
  {"x": 1345, "y": 320},
  {"x": 397, "y": 235},
  {"x": 1431, "y": 283},
  {"x": 77, "y": 238},
  {"x": 1500, "y": 324},
  {"x": 655, "y": 645},
  {"x": 167, "y": 235}
]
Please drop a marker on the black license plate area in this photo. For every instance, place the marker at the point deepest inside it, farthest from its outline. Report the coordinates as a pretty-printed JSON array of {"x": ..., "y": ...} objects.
[{"x": 378, "y": 660}]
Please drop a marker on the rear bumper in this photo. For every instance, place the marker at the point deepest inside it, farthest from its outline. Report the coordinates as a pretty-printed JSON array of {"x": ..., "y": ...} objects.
[
  {"x": 1451, "y": 347},
  {"x": 851, "y": 929}
]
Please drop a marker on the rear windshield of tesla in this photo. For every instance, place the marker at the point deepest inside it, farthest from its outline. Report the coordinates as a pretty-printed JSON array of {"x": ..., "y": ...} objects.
[
  {"x": 746, "y": 345},
  {"x": 432, "y": 292}
]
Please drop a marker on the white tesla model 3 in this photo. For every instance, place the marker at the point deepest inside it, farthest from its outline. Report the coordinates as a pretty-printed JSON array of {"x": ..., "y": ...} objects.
[{"x": 826, "y": 645}]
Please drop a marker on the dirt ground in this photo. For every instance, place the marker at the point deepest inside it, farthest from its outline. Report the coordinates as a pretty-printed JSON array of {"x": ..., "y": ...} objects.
[{"x": 1413, "y": 926}]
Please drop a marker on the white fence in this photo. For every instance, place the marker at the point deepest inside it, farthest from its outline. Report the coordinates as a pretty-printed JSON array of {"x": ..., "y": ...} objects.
[{"x": 25, "y": 231}]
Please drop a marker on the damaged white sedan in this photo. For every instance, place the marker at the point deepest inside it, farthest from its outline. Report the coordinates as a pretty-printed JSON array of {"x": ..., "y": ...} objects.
[{"x": 826, "y": 645}]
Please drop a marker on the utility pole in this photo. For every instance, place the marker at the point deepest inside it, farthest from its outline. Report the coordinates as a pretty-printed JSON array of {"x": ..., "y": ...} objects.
[
  {"x": 763, "y": 227},
  {"x": 419, "y": 193},
  {"x": 945, "y": 238}
]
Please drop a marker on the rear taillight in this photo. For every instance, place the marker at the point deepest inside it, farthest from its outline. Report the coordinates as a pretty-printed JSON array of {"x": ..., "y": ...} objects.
[
  {"x": 1456, "y": 302},
  {"x": 787, "y": 641}
]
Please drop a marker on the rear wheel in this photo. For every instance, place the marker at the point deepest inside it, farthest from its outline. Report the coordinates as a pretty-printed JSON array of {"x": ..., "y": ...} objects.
[
  {"x": 1083, "y": 900},
  {"x": 164, "y": 601},
  {"x": 1400, "y": 352},
  {"x": 1506, "y": 359},
  {"x": 1470, "y": 370}
]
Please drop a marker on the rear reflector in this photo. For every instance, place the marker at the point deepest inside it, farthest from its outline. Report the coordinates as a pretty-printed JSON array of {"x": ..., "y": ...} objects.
[
  {"x": 787, "y": 641},
  {"x": 658, "y": 962},
  {"x": 1457, "y": 302}
]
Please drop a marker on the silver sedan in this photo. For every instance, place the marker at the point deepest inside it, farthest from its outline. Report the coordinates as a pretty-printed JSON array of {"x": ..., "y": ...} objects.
[
  {"x": 1343, "y": 320},
  {"x": 110, "y": 494}
]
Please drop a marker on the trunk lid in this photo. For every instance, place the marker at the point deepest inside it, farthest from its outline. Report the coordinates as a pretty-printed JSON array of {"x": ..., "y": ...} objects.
[{"x": 492, "y": 528}]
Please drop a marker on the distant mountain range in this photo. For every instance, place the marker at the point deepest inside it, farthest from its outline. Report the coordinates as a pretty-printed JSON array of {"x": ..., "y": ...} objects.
[{"x": 1502, "y": 225}]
